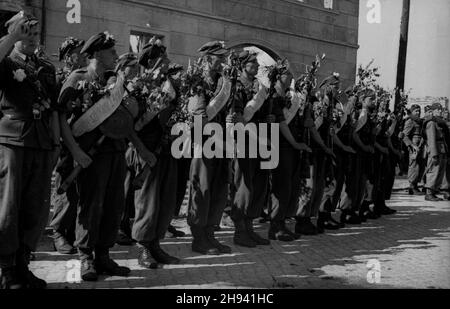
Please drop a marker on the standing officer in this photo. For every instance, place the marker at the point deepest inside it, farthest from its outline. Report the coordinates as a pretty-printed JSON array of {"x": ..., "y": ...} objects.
[
  {"x": 155, "y": 201},
  {"x": 101, "y": 182},
  {"x": 29, "y": 134},
  {"x": 437, "y": 154},
  {"x": 287, "y": 176},
  {"x": 65, "y": 211},
  {"x": 413, "y": 140},
  {"x": 208, "y": 177}
]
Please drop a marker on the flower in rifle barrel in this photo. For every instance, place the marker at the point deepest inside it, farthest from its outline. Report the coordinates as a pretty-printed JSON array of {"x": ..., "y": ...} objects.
[
  {"x": 157, "y": 101},
  {"x": 19, "y": 75}
]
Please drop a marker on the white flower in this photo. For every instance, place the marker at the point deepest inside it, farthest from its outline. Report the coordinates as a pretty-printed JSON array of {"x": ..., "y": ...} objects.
[
  {"x": 19, "y": 75},
  {"x": 336, "y": 74}
]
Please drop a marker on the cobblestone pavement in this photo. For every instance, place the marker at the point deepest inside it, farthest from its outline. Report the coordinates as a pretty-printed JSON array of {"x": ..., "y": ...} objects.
[{"x": 412, "y": 249}]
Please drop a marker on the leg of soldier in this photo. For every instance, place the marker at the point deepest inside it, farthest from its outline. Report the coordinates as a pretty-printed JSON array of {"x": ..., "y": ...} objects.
[
  {"x": 65, "y": 211},
  {"x": 34, "y": 215},
  {"x": 91, "y": 183},
  {"x": 434, "y": 176},
  {"x": 124, "y": 234},
  {"x": 355, "y": 185},
  {"x": 182, "y": 184},
  {"x": 304, "y": 225},
  {"x": 339, "y": 173},
  {"x": 155, "y": 206},
  {"x": 244, "y": 179},
  {"x": 199, "y": 204},
  {"x": 112, "y": 206},
  {"x": 283, "y": 188},
  {"x": 219, "y": 176}
]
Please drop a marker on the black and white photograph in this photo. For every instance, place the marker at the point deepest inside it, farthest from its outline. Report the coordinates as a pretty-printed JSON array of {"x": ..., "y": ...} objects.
[{"x": 238, "y": 147}]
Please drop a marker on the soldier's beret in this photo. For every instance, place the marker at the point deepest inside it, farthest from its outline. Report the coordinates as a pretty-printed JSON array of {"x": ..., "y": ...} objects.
[
  {"x": 69, "y": 45},
  {"x": 436, "y": 106},
  {"x": 174, "y": 68},
  {"x": 214, "y": 48},
  {"x": 414, "y": 107},
  {"x": 330, "y": 80},
  {"x": 246, "y": 57},
  {"x": 98, "y": 42},
  {"x": 151, "y": 51},
  {"x": 31, "y": 20},
  {"x": 126, "y": 60}
]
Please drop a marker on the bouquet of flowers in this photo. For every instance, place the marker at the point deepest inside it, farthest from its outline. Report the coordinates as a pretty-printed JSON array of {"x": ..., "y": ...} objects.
[
  {"x": 192, "y": 79},
  {"x": 91, "y": 93},
  {"x": 308, "y": 81}
]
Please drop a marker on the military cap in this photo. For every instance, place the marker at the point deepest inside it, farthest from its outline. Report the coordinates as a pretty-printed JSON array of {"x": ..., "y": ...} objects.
[
  {"x": 414, "y": 107},
  {"x": 330, "y": 80},
  {"x": 174, "y": 68},
  {"x": 151, "y": 51},
  {"x": 68, "y": 46},
  {"x": 436, "y": 106},
  {"x": 126, "y": 60},
  {"x": 214, "y": 48},
  {"x": 98, "y": 42},
  {"x": 427, "y": 108},
  {"x": 31, "y": 20},
  {"x": 246, "y": 57}
]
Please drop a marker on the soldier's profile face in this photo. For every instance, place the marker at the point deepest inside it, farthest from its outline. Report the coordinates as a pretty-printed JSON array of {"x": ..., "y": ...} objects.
[
  {"x": 108, "y": 58},
  {"x": 416, "y": 112},
  {"x": 437, "y": 112},
  {"x": 77, "y": 59},
  {"x": 216, "y": 63}
]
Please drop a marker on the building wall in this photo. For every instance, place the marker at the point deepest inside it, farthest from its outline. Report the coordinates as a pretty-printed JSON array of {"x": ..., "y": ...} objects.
[{"x": 289, "y": 28}]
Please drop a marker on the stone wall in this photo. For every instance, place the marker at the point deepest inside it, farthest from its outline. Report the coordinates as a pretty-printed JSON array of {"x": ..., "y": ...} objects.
[{"x": 287, "y": 28}]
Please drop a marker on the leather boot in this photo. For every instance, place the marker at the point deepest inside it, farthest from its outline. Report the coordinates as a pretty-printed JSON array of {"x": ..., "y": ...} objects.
[
  {"x": 9, "y": 279},
  {"x": 324, "y": 222},
  {"x": 62, "y": 245},
  {"x": 105, "y": 265},
  {"x": 254, "y": 236},
  {"x": 276, "y": 232},
  {"x": 241, "y": 235},
  {"x": 175, "y": 233},
  {"x": 24, "y": 275},
  {"x": 145, "y": 258},
  {"x": 209, "y": 231},
  {"x": 365, "y": 213},
  {"x": 304, "y": 226},
  {"x": 200, "y": 243},
  {"x": 87, "y": 270},
  {"x": 160, "y": 255},
  {"x": 431, "y": 196},
  {"x": 350, "y": 217},
  {"x": 288, "y": 231}
]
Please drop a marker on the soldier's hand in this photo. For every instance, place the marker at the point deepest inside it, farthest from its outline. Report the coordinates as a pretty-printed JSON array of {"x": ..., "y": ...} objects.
[
  {"x": 271, "y": 118},
  {"x": 19, "y": 30},
  {"x": 82, "y": 158},
  {"x": 303, "y": 147}
]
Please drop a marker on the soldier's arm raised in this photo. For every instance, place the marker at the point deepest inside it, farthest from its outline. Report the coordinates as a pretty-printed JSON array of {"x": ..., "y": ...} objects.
[{"x": 18, "y": 31}]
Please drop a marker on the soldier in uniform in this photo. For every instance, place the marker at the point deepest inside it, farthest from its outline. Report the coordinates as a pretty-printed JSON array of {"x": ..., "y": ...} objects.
[
  {"x": 208, "y": 177},
  {"x": 287, "y": 176},
  {"x": 413, "y": 140},
  {"x": 65, "y": 211},
  {"x": 29, "y": 135},
  {"x": 101, "y": 182},
  {"x": 437, "y": 154},
  {"x": 156, "y": 200},
  {"x": 364, "y": 141},
  {"x": 322, "y": 152}
]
